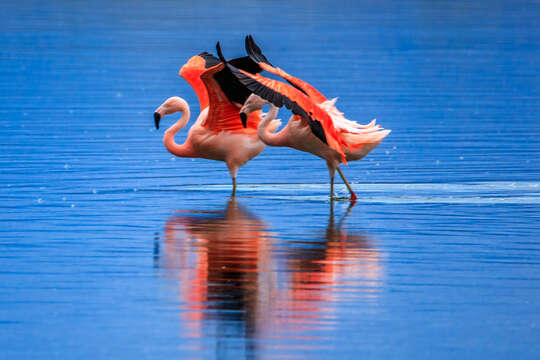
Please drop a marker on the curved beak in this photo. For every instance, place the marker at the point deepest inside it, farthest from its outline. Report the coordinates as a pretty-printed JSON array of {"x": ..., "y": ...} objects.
[
  {"x": 157, "y": 118},
  {"x": 243, "y": 117}
]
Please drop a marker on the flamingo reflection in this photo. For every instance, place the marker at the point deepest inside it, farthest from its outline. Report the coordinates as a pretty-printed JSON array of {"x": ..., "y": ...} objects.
[
  {"x": 219, "y": 257},
  {"x": 239, "y": 280},
  {"x": 326, "y": 270}
]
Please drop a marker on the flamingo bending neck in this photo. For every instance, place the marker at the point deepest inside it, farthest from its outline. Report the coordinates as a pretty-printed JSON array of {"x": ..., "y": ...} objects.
[
  {"x": 181, "y": 150},
  {"x": 267, "y": 135}
]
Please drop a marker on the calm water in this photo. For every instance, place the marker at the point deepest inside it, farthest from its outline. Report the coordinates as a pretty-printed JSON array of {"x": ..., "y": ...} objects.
[{"x": 112, "y": 248}]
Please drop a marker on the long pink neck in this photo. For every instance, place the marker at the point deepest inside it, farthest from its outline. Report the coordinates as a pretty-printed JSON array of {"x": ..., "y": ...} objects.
[
  {"x": 268, "y": 137},
  {"x": 185, "y": 149}
]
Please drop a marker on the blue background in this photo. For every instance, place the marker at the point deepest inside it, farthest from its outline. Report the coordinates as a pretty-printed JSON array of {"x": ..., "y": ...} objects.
[{"x": 449, "y": 203}]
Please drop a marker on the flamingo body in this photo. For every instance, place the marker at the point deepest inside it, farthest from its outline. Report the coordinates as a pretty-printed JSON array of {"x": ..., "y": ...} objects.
[
  {"x": 297, "y": 134},
  {"x": 233, "y": 148},
  {"x": 217, "y": 134}
]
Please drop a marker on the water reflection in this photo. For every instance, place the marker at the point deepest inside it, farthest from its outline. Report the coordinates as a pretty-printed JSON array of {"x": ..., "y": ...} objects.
[
  {"x": 323, "y": 270},
  {"x": 239, "y": 281}
]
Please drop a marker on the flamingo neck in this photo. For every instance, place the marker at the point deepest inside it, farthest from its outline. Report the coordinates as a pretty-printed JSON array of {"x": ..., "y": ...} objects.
[
  {"x": 181, "y": 150},
  {"x": 267, "y": 136}
]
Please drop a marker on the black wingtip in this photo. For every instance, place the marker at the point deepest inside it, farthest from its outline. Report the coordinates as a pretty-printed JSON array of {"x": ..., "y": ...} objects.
[
  {"x": 254, "y": 51},
  {"x": 249, "y": 49},
  {"x": 157, "y": 118},
  {"x": 248, "y": 45},
  {"x": 220, "y": 54}
]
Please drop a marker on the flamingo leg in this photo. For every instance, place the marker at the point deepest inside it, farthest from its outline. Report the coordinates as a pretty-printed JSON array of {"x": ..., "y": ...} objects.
[
  {"x": 353, "y": 195},
  {"x": 331, "y": 187},
  {"x": 233, "y": 187}
]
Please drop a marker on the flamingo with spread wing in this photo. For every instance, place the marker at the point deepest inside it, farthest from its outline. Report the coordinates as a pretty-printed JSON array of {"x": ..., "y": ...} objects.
[
  {"x": 217, "y": 134},
  {"x": 316, "y": 126}
]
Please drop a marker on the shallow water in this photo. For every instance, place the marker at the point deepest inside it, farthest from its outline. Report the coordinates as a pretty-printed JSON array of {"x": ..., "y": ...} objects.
[{"x": 113, "y": 248}]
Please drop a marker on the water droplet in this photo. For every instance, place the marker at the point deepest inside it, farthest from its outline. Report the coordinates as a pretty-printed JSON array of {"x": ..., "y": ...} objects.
[
  {"x": 461, "y": 158},
  {"x": 437, "y": 162},
  {"x": 66, "y": 166},
  {"x": 64, "y": 198},
  {"x": 394, "y": 148},
  {"x": 72, "y": 205},
  {"x": 94, "y": 191},
  {"x": 387, "y": 152},
  {"x": 40, "y": 200},
  {"x": 135, "y": 190}
]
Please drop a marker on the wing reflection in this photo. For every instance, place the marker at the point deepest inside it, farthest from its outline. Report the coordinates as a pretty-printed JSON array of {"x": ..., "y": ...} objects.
[{"x": 238, "y": 280}]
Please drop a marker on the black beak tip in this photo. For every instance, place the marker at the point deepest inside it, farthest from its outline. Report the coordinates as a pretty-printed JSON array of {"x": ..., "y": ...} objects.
[
  {"x": 243, "y": 117},
  {"x": 157, "y": 118}
]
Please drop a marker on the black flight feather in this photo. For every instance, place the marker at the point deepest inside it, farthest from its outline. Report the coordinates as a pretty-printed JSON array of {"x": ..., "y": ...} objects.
[
  {"x": 256, "y": 54},
  {"x": 273, "y": 97}
]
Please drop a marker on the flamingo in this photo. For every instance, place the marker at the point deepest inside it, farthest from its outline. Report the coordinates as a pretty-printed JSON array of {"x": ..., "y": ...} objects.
[
  {"x": 217, "y": 133},
  {"x": 316, "y": 126}
]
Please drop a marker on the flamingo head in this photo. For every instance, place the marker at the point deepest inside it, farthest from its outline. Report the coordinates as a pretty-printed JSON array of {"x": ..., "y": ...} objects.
[
  {"x": 170, "y": 106},
  {"x": 253, "y": 103}
]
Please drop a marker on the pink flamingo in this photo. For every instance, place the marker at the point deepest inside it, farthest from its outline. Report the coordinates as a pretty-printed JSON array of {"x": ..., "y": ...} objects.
[
  {"x": 217, "y": 133},
  {"x": 316, "y": 126}
]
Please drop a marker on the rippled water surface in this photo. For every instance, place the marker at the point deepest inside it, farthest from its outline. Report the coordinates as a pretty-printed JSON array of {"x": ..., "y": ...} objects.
[{"x": 113, "y": 248}]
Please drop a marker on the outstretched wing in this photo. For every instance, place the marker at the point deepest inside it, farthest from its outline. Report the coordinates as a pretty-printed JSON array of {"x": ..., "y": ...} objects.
[
  {"x": 223, "y": 90},
  {"x": 257, "y": 56},
  {"x": 339, "y": 121},
  {"x": 281, "y": 94},
  {"x": 198, "y": 64}
]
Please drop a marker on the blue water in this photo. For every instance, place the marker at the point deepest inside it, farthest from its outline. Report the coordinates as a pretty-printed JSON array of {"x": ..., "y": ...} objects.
[{"x": 112, "y": 248}]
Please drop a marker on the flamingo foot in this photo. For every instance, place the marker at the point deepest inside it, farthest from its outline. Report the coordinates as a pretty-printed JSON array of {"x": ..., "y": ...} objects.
[{"x": 351, "y": 191}]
